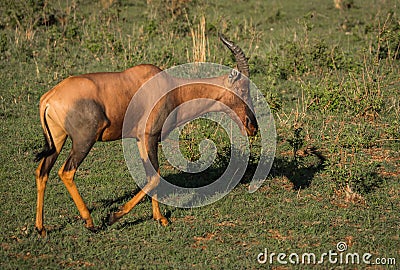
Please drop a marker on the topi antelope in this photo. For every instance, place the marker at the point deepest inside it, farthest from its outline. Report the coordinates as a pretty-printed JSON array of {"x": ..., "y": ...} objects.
[{"x": 91, "y": 107}]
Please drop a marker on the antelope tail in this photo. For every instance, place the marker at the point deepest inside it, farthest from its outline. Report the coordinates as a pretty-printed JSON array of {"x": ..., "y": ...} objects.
[{"x": 48, "y": 147}]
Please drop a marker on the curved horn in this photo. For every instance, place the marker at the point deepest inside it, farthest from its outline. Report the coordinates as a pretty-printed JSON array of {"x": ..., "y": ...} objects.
[{"x": 241, "y": 59}]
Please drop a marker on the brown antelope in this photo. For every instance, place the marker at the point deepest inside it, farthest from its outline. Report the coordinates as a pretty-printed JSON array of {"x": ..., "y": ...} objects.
[{"x": 91, "y": 107}]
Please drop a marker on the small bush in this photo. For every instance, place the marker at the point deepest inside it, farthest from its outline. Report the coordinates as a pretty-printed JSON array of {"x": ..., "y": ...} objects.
[
  {"x": 357, "y": 172},
  {"x": 388, "y": 39}
]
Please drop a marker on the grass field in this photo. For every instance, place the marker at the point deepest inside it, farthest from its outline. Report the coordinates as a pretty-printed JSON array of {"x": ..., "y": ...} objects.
[{"x": 331, "y": 77}]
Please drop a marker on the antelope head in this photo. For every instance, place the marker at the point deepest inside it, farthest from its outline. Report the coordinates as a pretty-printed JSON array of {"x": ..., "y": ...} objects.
[{"x": 238, "y": 82}]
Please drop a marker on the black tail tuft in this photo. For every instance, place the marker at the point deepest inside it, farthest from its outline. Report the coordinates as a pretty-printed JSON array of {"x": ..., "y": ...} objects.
[{"x": 47, "y": 151}]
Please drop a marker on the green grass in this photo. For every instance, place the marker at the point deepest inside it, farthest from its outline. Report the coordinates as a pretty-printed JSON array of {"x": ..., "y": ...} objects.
[{"x": 331, "y": 78}]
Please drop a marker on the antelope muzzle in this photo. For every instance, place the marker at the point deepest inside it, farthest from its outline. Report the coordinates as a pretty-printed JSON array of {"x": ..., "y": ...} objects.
[{"x": 250, "y": 124}]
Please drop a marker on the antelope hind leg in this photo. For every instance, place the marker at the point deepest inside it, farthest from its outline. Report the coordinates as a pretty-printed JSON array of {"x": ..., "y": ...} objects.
[{"x": 42, "y": 175}]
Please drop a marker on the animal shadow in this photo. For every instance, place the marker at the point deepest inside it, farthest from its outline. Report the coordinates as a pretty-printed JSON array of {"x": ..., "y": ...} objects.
[{"x": 300, "y": 170}]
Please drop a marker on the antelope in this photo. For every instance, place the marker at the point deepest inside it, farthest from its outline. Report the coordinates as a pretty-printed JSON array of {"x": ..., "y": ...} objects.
[{"x": 91, "y": 107}]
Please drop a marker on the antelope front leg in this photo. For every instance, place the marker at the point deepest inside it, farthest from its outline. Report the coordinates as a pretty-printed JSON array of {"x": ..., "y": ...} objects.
[
  {"x": 148, "y": 153},
  {"x": 156, "y": 211},
  {"x": 126, "y": 208},
  {"x": 147, "y": 160},
  {"x": 114, "y": 217}
]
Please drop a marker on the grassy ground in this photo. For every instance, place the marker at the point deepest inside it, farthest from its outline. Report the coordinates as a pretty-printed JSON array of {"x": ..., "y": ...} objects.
[{"x": 331, "y": 77}]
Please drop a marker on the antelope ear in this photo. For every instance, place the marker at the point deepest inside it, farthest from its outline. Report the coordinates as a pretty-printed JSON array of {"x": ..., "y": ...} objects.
[{"x": 234, "y": 76}]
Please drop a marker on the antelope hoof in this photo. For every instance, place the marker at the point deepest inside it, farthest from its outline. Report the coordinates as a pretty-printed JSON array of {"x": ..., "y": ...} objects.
[
  {"x": 163, "y": 221},
  {"x": 42, "y": 232},
  {"x": 112, "y": 218},
  {"x": 93, "y": 229}
]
